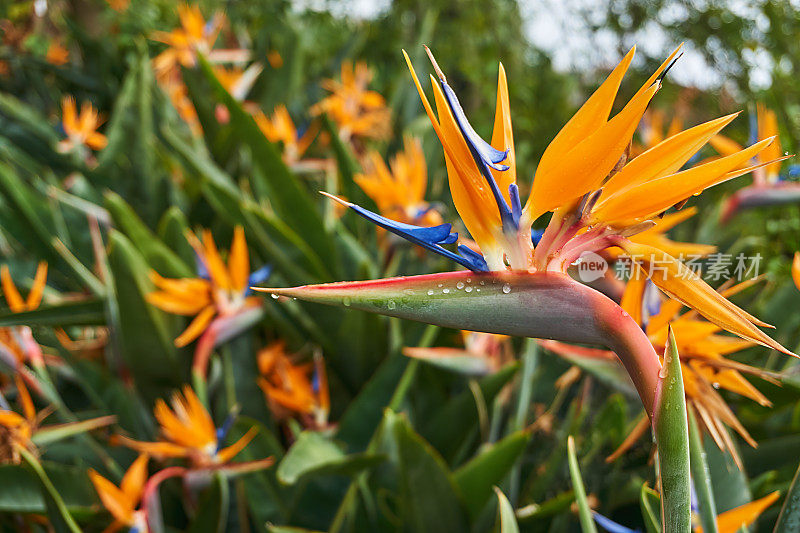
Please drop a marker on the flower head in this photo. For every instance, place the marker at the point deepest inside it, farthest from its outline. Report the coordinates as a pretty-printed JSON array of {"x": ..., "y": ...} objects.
[
  {"x": 704, "y": 353},
  {"x": 599, "y": 199},
  {"x": 188, "y": 432},
  {"x": 123, "y": 501},
  {"x": 194, "y": 36},
  {"x": 219, "y": 298},
  {"x": 356, "y": 110},
  {"x": 280, "y": 128},
  {"x": 740, "y": 517},
  {"x": 292, "y": 388},
  {"x": 18, "y": 340},
  {"x": 17, "y": 431},
  {"x": 80, "y": 128},
  {"x": 399, "y": 189},
  {"x": 796, "y": 270}
]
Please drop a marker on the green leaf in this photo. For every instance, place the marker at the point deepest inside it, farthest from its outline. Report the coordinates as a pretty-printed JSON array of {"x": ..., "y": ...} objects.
[
  {"x": 313, "y": 453},
  {"x": 145, "y": 333},
  {"x": 508, "y": 520},
  {"x": 429, "y": 501},
  {"x": 161, "y": 258},
  {"x": 79, "y": 313},
  {"x": 459, "y": 416},
  {"x": 476, "y": 478},
  {"x": 789, "y": 519},
  {"x": 584, "y": 511},
  {"x": 650, "y": 503},
  {"x": 701, "y": 478},
  {"x": 672, "y": 438},
  {"x": 21, "y": 490},
  {"x": 291, "y": 202}
]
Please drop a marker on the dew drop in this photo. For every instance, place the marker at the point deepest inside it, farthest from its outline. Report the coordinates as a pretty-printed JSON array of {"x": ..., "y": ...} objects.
[
  {"x": 506, "y": 288},
  {"x": 468, "y": 288},
  {"x": 390, "y": 304},
  {"x": 478, "y": 290},
  {"x": 483, "y": 282},
  {"x": 274, "y": 296},
  {"x": 430, "y": 292},
  {"x": 460, "y": 285},
  {"x": 346, "y": 301},
  {"x": 445, "y": 291},
  {"x": 469, "y": 280},
  {"x": 440, "y": 285},
  {"x": 715, "y": 385}
]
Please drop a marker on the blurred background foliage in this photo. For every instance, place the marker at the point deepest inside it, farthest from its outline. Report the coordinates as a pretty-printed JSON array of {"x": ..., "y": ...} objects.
[{"x": 407, "y": 445}]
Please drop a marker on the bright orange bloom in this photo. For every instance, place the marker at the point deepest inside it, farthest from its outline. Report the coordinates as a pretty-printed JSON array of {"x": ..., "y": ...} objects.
[
  {"x": 656, "y": 237},
  {"x": 81, "y": 128},
  {"x": 118, "y": 5},
  {"x": 280, "y": 128},
  {"x": 290, "y": 388},
  {"x": 399, "y": 190},
  {"x": 17, "y": 431},
  {"x": 194, "y": 36},
  {"x": 222, "y": 293},
  {"x": 356, "y": 110},
  {"x": 188, "y": 432},
  {"x": 57, "y": 54},
  {"x": 19, "y": 340},
  {"x": 703, "y": 353},
  {"x": 122, "y": 501},
  {"x": 740, "y": 517}
]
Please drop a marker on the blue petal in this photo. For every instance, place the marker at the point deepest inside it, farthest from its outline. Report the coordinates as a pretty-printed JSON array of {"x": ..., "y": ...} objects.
[
  {"x": 753, "y": 129},
  {"x": 516, "y": 205},
  {"x": 536, "y": 236},
  {"x": 488, "y": 153},
  {"x": 429, "y": 238},
  {"x": 484, "y": 154},
  {"x": 258, "y": 277},
  {"x": 223, "y": 430},
  {"x": 475, "y": 259},
  {"x": 202, "y": 270},
  {"x": 611, "y": 526}
]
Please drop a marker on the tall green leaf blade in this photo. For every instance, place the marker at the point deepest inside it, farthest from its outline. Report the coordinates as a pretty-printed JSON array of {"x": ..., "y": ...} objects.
[
  {"x": 508, "y": 519},
  {"x": 584, "y": 511},
  {"x": 672, "y": 437},
  {"x": 701, "y": 478}
]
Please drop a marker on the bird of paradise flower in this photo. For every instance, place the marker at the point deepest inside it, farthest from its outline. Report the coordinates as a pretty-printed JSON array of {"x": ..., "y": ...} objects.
[
  {"x": 294, "y": 389},
  {"x": 598, "y": 199},
  {"x": 219, "y": 298},
  {"x": 356, "y": 110}
]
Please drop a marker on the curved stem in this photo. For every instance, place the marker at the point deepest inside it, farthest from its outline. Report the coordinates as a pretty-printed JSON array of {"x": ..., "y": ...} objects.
[{"x": 547, "y": 305}]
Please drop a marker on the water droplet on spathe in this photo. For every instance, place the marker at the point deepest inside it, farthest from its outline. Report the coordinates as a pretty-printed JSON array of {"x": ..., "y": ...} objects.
[
  {"x": 274, "y": 296},
  {"x": 430, "y": 292},
  {"x": 390, "y": 304},
  {"x": 468, "y": 288},
  {"x": 506, "y": 288},
  {"x": 445, "y": 291},
  {"x": 346, "y": 301},
  {"x": 460, "y": 285}
]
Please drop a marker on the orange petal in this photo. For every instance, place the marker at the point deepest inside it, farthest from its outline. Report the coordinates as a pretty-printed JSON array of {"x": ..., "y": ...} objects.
[
  {"x": 96, "y": 141},
  {"x": 216, "y": 268},
  {"x": 634, "y": 292},
  {"x": 503, "y": 136},
  {"x": 684, "y": 285},
  {"x": 646, "y": 199},
  {"x": 226, "y": 454},
  {"x": 590, "y": 161},
  {"x": 156, "y": 449},
  {"x": 588, "y": 119},
  {"x": 768, "y": 127},
  {"x": 133, "y": 482},
  {"x": 239, "y": 261},
  {"x": 196, "y": 327},
  {"x": 37, "y": 289},
  {"x": 13, "y": 298},
  {"x": 665, "y": 158},
  {"x": 118, "y": 504},
  {"x": 28, "y": 408},
  {"x": 796, "y": 270},
  {"x": 744, "y": 515},
  {"x": 176, "y": 304},
  {"x": 725, "y": 145}
]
